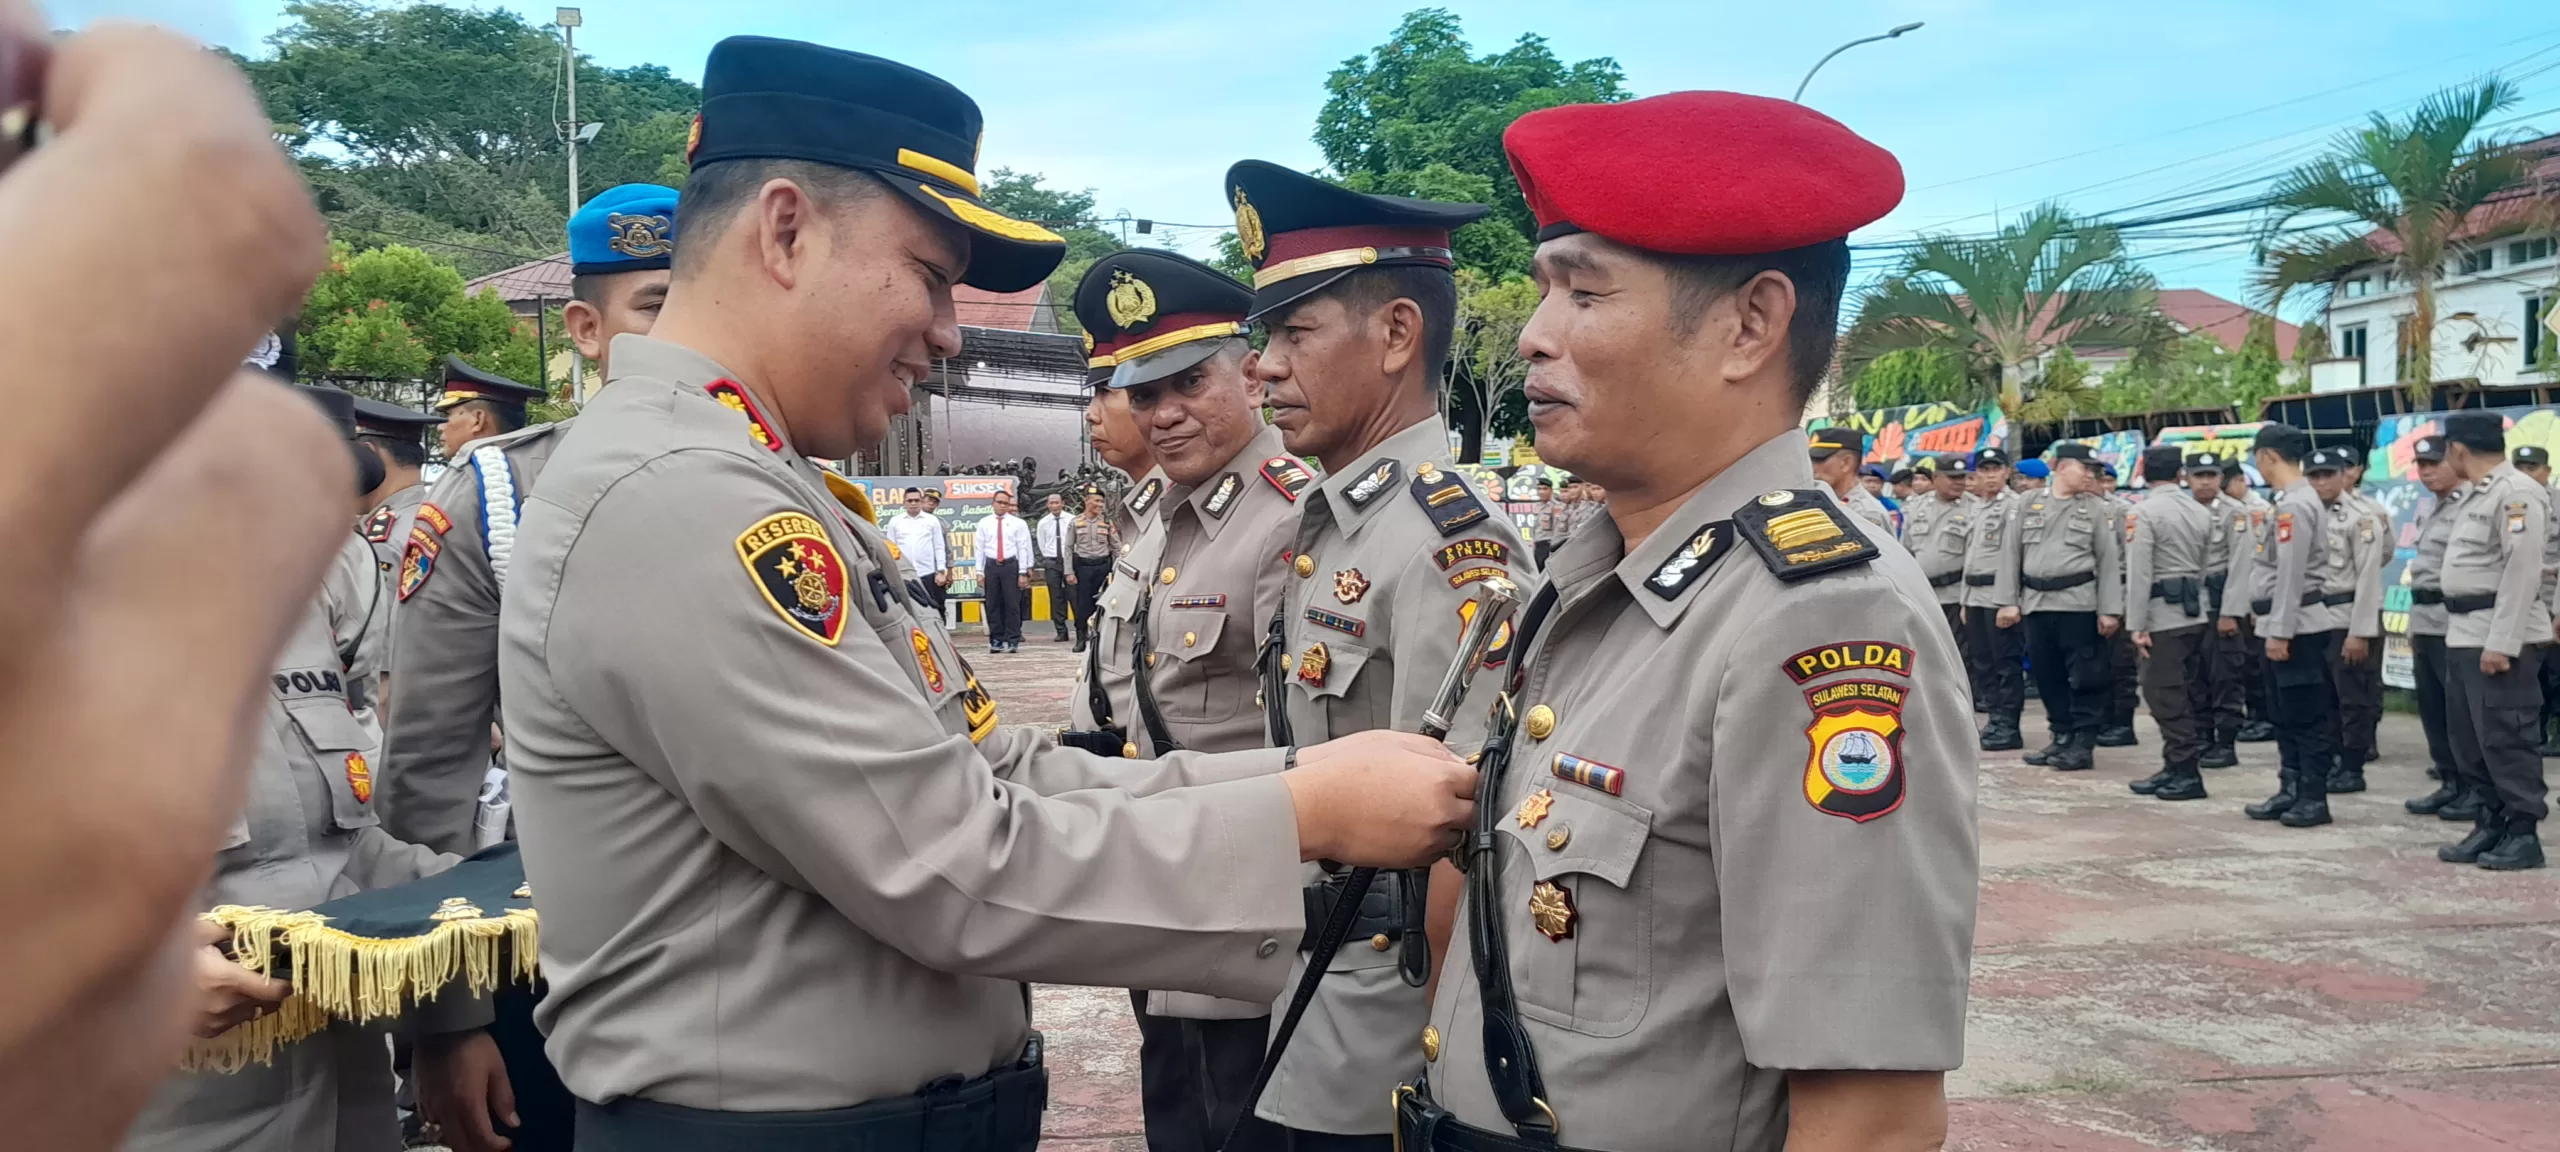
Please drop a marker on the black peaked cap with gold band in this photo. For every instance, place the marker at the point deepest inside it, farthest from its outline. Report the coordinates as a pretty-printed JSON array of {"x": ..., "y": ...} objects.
[
  {"x": 1303, "y": 233},
  {"x": 768, "y": 99},
  {"x": 464, "y": 384},
  {"x": 1149, "y": 314}
]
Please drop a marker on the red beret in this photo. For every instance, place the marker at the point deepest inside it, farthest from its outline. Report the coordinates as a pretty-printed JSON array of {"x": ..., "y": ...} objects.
[{"x": 1700, "y": 173}]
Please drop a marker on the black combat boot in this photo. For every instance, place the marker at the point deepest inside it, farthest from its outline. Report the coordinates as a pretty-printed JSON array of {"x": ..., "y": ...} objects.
[
  {"x": 2117, "y": 736},
  {"x": 2184, "y": 783},
  {"x": 2306, "y": 813},
  {"x": 2433, "y": 802},
  {"x": 2484, "y": 836},
  {"x": 1080, "y": 639},
  {"x": 2550, "y": 747},
  {"x": 2345, "y": 779},
  {"x": 2002, "y": 735},
  {"x": 2078, "y": 754},
  {"x": 2515, "y": 851},
  {"x": 2151, "y": 783},
  {"x": 2274, "y": 806},
  {"x": 2221, "y": 755},
  {"x": 2255, "y": 732},
  {"x": 2044, "y": 756},
  {"x": 2466, "y": 805}
]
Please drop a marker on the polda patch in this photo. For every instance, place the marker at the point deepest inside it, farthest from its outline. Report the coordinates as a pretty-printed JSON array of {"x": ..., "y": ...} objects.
[
  {"x": 1849, "y": 656},
  {"x": 1853, "y": 762}
]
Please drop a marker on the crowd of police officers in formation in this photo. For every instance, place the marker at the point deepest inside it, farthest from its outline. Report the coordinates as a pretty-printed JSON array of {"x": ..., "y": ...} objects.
[
  {"x": 2249, "y": 619},
  {"x": 795, "y": 877}
]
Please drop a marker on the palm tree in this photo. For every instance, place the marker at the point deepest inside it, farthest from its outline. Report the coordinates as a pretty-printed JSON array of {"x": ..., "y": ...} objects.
[
  {"x": 2407, "y": 187},
  {"x": 2003, "y": 303}
]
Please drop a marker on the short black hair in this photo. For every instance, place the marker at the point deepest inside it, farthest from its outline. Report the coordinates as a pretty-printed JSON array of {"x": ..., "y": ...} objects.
[
  {"x": 911, "y": 492},
  {"x": 2476, "y": 430},
  {"x": 405, "y": 452},
  {"x": 716, "y": 191},
  {"x": 2290, "y": 444},
  {"x": 1820, "y": 273},
  {"x": 509, "y": 416},
  {"x": 1433, "y": 290}
]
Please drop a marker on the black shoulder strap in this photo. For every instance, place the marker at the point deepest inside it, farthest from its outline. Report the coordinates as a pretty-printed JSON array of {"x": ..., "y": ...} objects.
[
  {"x": 1140, "y": 649},
  {"x": 1510, "y": 1062},
  {"x": 1275, "y": 683},
  {"x": 1095, "y": 698}
]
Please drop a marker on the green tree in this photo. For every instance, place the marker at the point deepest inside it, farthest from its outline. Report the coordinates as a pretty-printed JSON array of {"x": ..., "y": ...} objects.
[
  {"x": 1069, "y": 214},
  {"x": 2194, "y": 371},
  {"x": 1422, "y": 115},
  {"x": 395, "y": 312},
  {"x": 2405, "y": 188},
  {"x": 1486, "y": 367},
  {"x": 2063, "y": 391},
  {"x": 1911, "y": 376},
  {"x": 2311, "y": 343},
  {"x": 2004, "y": 303},
  {"x": 1231, "y": 258},
  {"x": 2259, "y": 372}
]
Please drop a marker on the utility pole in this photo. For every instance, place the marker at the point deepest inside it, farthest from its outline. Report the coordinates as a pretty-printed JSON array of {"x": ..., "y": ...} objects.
[{"x": 569, "y": 19}]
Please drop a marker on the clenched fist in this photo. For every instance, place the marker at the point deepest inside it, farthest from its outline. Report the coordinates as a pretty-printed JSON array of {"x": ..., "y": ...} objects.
[{"x": 1381, "y": 799}]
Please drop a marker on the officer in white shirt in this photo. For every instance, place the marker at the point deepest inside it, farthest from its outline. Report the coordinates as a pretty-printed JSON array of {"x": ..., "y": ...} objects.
[
  {"x": 1004, "y": 546},
  {"x": 1050, "y": 537},
  {"x": 918, "y": 535}
]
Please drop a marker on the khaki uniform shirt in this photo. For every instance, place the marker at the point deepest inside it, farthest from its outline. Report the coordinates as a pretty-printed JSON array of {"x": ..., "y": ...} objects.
[
  {"x": 2497, "y": 548},
  {"x": 2230, "y": 524},
  {"x": 1093, "y": 537},
  {"x": 1110, "y": 653},
  {"x": 2248, "y": 520},
  {"x": 2367, "y": 527},
  {"x": 388, "y": 524},
  {"x": 2064, "y": 536},
  {"x": 1752, "y": 802},
  {"x": 1866, "y": 507},
  {"x": 785, "y": 856},
  {"x": 1372, "y": 622},
  {"x": 444, "y": 675},
  {"x": 2166, "y": 537},
  {"x": 306, "y": 835},
  {"x": 1211, "y": 572},
  {"x": 1986, "y": 543},
  {"x": 1938, "y": 533},
  {"x": 2425, "y": 571},
  {"x": 2287, "y": 566}
]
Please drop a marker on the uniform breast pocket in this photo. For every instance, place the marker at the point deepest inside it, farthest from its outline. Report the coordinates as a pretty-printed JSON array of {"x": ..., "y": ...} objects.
[
  {"x": 1579, "y": 911},
  {"x": 1325, "y": 671},
  {"x": 2031, "y": 527},
  {"x": 341, "y": 750},
  {"x": 1192, "y": 689}
]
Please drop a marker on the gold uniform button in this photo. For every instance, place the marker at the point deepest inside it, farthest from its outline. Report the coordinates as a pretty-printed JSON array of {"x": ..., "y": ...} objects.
[
  {"x": 1430, "y": 1043},
  {"x": 1151, "y": 659},
  {"x": 1190, "y": 638},
  {"x": 1166, "y": 576},
  {"x": 1540, "y": 723},
  {"x": 1287, "y": 659},
  {"x": 1557, "y": 839},
  {"x": 1129, "y": 751},
  {"x": 1380, "y": 942},
  {"x": 1306, "y": 566}
]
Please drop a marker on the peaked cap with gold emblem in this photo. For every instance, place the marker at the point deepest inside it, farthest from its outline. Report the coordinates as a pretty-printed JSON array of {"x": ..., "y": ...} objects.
[
  {"x": 1303, "y": 233},
  {"x": 464, "y": 383},
  {"x": 1151, "y": 314},
  {"x": 768, "y": 99}
]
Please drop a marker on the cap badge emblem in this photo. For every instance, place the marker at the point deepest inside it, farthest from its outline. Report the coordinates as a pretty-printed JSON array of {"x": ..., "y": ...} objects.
[
  {"x": 1249, "y": 228},
  {"x": 1131, "y": 302},
  {"x": 640, "y": 237}
]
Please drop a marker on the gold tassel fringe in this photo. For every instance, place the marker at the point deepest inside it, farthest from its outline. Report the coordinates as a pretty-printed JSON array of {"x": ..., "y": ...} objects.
[{"x": 338, "y": 976}]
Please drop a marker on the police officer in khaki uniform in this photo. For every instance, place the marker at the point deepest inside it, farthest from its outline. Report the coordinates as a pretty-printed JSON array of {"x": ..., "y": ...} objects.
[
  {"x": 2244, "y": 662},
  {"x": 2493, "y": 571},
  {"x": 1996, "y": 651},
  {"x": 1937, "y": 527},
  {"x": 1722, "y": 892},
  {"x": 2166, "y": 539},
  {"x": 392, "y": 435},
  {"x": 2221, "y": 700},
  {"x": 2062, "y": 576},
  {"x": 2289, "y": 590},
  {"x": 1357, "y": 296},
  {"x": 2428, "y": 622},
  {"x": 1197, "y": 588},
  {"x": 2124, "y": 661},
  {"x": 744, "y": 759},
  {"x": 1094, "y": 721},
  {"x": 2362, "y": 531},
  {"x": 306, "y": 834},
  {"x": 1835, "y": 452}
]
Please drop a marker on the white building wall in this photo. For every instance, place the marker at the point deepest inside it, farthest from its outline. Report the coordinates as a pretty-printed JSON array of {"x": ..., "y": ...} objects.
[{"x": 2490, "y": 344}]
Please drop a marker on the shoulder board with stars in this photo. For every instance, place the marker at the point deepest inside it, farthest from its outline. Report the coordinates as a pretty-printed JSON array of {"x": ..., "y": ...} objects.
[
  {"x": 1223, "y": 496},
  {"x": 1694, "y": 559},
  {"x": 1445, "y": 498},
  {"x": 1377, "y": 481},
  {"x": 733, "y": 397},
  {"x": 1800, "y": 534},
  {"x": 377, "y": 527},
  {"x": 1146, "y": 497},
  {"x": 1287, "y": 475}
]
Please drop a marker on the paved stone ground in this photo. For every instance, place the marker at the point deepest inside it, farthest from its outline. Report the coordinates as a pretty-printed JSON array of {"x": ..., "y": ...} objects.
[{"x": 2146, "y": 975}]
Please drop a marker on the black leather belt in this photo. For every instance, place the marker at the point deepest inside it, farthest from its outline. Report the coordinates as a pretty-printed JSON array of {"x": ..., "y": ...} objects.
[
  {"x": 2480, "y": 602},
  {"x": 2262, "y": 607},
  {"x": 2057, "y": 583},
  {"x": 1944, "y": 579},
  {"x": 1423, "y": 1123},
  {"x": 2338, "y": 599},
  {"x": 1381, "y": 912},
  {"x": 2426, "y": 595},
  {"x": 997, "y": 1112},
  {"x": 1981, "y": 579}
]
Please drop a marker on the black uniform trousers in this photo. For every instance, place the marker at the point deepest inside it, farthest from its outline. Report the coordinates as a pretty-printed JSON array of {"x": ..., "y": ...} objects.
[
  {"x": 2430, "y": 667},
  {"x": 544, "y": 1104},
  {"x": 2231, "y": 680},
  {"x": 2359, "y": 702},
  {"x": 2124, "y": 679},
  {"x": 1091, "y": 572},
  {"x": 2169, "y": 680},
  {"x": 1053, "y": 573},
  {"x": 2496, "y": 722},
  {"x": 2303, "y": 703},
  {"x": 1192, "y": 1079},
  {"x": 2071, "y": 663},
  {"x": 1997, "y": 655},
  {"x": 1000, "y": 591}
]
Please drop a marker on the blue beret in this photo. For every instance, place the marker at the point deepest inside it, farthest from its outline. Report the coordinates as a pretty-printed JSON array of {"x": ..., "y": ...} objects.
[
  {"x": 625, "y": 228},
  {"x": 2034, "y": 468}
]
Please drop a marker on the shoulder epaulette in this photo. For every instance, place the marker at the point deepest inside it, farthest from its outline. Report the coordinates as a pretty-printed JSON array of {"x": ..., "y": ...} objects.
[
  {"x": 1445, "y": 498},
  {"x": 735, "y": 398},
  {"x": 1145, "y": 497},
  {"x": 1800, "y": 534},
  {"x": 1287, "y": 475},
  {"x": 377, "y": 527},
  {"x": 1706, "y": 546}
]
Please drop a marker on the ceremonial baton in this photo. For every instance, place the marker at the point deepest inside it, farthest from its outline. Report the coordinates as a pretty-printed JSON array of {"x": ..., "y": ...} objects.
[{"x": 1496, "y": 600}]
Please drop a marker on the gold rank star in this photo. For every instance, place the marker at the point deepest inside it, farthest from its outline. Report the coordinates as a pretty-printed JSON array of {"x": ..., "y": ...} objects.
[{"x": 1534, "y": 806}]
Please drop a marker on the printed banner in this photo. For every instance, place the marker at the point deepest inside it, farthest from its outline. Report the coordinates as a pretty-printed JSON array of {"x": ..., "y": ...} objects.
[
  {"x": 2229, "y": 441},
  {"x": 2121, "y": 450},
  {"x": 2396, "y": 437},
  {"x": 1896, "y": 435}
]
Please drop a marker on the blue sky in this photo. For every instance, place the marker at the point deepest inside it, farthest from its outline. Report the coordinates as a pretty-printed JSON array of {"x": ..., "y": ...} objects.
[{"x": 1994, "y": 106}]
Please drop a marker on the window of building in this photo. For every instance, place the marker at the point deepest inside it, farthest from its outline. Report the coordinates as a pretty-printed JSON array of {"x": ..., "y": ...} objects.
[
  {"x": 2538, "y": 352},
  {"x": 2477, "y": 261},
  {"x": 2360, "y": 287},
  {"x": 2529, "y": 251},
  {"x": 2387, "y": 277},
  {"x": 2351, "y": 346}
]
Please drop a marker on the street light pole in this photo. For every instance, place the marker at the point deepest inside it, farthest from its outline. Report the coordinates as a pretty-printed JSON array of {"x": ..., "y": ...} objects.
[
  {"x": 569, "y": 19},
  {"x": 1817, "y": 65}
]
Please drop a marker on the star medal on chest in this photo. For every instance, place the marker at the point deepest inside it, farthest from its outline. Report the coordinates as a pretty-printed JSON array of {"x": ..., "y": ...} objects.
[
  {"x": 359, "y": 777},
  {"x": 1534, "y": 807},
  {"x": 1349, "y": 585},
  {"x": 1312, "y": 664},
  {"x": 1551, "y": 910},
  {"x": 799, "y": 573}
]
